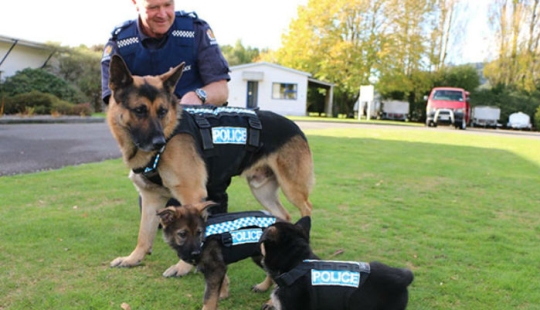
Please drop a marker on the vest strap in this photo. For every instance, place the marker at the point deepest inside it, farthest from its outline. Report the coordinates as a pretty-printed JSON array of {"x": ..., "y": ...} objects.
[
  {"x": 255, "y": 128},
  {"x": 206, "y": 134}
]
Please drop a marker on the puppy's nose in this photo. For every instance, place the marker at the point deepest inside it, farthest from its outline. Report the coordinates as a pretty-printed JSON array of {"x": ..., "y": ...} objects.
[{"x": 196, "y": 254}]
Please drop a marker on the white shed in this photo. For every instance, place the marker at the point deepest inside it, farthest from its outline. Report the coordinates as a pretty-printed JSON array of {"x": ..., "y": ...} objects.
[
  {"x": 17, "y": 54},
  {"x": 273, "y": 87}
]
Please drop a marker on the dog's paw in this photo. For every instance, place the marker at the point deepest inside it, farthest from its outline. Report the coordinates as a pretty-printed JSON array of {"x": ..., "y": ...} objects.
[
  {"x": 180, "y": 269},
  {"x": 258, "y": 289},
  {"x": 267, "y": 306},
  {"x": 125, "y": 261},
  {"x": 263, "y": 286}
]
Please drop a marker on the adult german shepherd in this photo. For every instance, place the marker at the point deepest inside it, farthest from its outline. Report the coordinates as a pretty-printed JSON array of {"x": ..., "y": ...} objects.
[{"x": 144, "y": 117}]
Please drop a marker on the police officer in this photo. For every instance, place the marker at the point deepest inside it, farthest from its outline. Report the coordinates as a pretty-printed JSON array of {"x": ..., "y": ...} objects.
[{"x": 161, "y": 38}]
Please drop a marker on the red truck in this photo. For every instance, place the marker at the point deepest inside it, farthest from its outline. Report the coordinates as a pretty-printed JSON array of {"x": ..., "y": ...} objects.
[{"x": 448, "y": 105}]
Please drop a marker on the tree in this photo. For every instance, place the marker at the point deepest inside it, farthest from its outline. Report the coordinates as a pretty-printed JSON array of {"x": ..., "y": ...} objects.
[
  {"x": 517, "y": 28},
  {"x": 389, "y": 43},
  {"x": 239, "y": 54},
  {"x": 80, "y": 66}
]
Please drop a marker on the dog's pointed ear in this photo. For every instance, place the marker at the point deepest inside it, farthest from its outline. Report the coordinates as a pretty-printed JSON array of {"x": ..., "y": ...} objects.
[
  {"x": 119, "y": 74},
  {"x": 268, "y": 234},
  {"x": 167, "y": 215},
  {"x": 171, "y": 77},
  {"x": 202, "y": 207},
  {"x": 305, "y": 224}
]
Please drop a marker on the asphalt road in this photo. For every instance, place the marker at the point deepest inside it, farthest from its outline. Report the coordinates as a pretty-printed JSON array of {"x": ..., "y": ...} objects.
[{"x": 27, "y": 148}]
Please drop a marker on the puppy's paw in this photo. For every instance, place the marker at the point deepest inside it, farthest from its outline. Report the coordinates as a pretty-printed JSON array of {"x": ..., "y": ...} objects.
[
  {"x": 263, "y": 286},
  {"x": 125, "y": 261},
  {"x": 180, "y": 269},
  {"x": 267, "y": 306},
  {"x": 258, "y": 289}
]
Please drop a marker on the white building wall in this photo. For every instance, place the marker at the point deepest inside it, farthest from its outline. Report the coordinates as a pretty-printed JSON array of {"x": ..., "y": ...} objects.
[
  {"x": 21, "y": 57},
  {"x": 271, "y": 74}
]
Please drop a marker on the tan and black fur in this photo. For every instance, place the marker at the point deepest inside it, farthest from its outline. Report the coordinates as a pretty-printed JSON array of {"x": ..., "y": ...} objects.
[
  {"x": 183, "y": 230},
  {"x": 142, "y": 116}
]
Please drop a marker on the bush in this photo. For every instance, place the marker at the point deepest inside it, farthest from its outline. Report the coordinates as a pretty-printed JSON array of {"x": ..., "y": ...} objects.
[
  {"x": 537, "y": 119},
  {"x": 82, "y": 109},
  {"x": 28, "y": 80},
  {"x": 38, "y": 102}
]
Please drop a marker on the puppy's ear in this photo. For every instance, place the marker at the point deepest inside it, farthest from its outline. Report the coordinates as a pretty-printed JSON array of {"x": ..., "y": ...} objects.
[
  {"x": 119, "y": 74},
  {"x": 167, "y": 216},
  {"x": 305, "y": 224},
  {"x": 268, "y": 234},
  {"x": 202, "y": 207}
]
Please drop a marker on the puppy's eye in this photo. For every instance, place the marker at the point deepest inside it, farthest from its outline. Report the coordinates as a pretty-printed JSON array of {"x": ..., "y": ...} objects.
[
  {"x": 182, "y": 234},
  {"x": 199, "y": 231},
  {"x": 162, "y": 112}
]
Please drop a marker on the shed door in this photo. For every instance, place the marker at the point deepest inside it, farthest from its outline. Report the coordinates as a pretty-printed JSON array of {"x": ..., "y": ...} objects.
[{"x": 252, "y": 94}]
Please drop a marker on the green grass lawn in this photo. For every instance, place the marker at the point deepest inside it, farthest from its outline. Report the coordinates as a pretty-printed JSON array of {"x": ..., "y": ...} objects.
[{"x": 458, "y": 208}]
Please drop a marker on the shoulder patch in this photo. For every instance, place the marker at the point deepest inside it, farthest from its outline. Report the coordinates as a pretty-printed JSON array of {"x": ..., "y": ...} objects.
[
  {"x": 107, "y": 52},
  {"x": 211, "y": 36}
]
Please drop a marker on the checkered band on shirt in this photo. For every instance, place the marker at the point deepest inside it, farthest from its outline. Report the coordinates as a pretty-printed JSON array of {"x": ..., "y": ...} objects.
[
  {"x": 127, "y": 42},
  {"x": 183, "y": 33},
  {"x": 220, "y": 228}
]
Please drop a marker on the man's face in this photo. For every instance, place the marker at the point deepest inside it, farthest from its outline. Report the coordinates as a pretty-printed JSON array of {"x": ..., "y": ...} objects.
[{"x": 157, "y": 16}]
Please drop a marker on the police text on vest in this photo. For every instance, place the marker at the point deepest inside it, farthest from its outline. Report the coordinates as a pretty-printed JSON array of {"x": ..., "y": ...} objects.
[
  {"x": 229, "y": 135},
  {"x": 335, "y": 277},
  {"x": 246, "y": 236}
]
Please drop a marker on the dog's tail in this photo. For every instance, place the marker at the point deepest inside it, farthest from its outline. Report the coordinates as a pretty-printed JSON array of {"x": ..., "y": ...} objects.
[{"x": 393, "y": 279}]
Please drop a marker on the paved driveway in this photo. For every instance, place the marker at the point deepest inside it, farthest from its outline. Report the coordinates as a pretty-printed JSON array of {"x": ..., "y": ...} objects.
[{"x": 26, "y": 148}]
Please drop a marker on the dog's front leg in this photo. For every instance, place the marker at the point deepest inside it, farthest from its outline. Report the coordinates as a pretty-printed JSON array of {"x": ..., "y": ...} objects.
[
  {"x": 215, "y": 279},
  {"x": 150, "y": 203}
]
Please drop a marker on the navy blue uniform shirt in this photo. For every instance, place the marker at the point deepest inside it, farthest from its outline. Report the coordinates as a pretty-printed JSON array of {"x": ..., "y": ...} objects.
[{"x": 196, "y": 46}]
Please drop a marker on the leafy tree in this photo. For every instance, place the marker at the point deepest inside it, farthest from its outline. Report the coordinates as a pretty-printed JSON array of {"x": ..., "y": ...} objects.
[
  {"x": 239, "y": 54},
  {"x": 517, "y": 30},
  {"x": 80, "y": 66},
  {"x": 464, "y": 76},
  {"x": 537, "y": 118}
]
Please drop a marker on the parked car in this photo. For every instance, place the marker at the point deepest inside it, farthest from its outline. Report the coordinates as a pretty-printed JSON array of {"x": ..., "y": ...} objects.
[{"x": 448, "y": 105}]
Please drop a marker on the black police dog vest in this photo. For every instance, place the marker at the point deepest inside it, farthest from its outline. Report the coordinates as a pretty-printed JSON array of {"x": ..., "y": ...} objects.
[
  {"x": 226, "y": 137},
  {"x": 332, "y": 282},
  {"x": 143, "y": 61},
  {"x": 238, "y": 233}
]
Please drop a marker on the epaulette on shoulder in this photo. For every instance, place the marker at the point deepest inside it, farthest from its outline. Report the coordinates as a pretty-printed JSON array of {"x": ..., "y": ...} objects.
[
  {"x": 187, "y": 14},
  {"x": 119, "y": 28}
]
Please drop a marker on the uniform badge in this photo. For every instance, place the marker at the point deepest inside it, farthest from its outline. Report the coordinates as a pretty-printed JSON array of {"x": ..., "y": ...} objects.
[
  {"x": 211, "y": 36},
  {"x": 107, "y": 51}
]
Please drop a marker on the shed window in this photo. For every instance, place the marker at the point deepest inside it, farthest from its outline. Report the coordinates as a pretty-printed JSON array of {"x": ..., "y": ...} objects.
[{"x": 284, "y": 91}]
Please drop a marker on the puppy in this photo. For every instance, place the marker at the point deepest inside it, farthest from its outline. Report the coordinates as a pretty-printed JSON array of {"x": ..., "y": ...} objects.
[
  {"x": 211, "y": 242},
  {"x": 308, "y": 283}
]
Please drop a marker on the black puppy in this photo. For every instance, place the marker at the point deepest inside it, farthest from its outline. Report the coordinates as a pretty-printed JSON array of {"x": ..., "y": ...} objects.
[
  {"x": 306, "y": 282},
  {"x": 212, "y": 242}
]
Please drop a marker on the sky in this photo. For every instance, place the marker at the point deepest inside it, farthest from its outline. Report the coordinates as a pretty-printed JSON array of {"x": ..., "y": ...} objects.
[
  {"x": 72, "y": 22},
  {"x": 256, "y": 23}
]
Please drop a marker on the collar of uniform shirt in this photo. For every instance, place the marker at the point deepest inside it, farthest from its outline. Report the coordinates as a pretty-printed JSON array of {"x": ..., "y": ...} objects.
[{"x": 149, "y": 42}]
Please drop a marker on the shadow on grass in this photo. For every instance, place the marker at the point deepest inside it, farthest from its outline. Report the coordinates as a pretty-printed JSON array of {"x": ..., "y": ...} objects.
[{"x": 464, "y": 219}]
